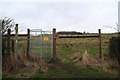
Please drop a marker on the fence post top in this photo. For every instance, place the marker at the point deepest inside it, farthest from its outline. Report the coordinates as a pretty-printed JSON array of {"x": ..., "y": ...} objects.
[
  {"x": 54, "y": 28},
  {"x": 16, "y": 27},
  {"x": 16, "y": 24}
]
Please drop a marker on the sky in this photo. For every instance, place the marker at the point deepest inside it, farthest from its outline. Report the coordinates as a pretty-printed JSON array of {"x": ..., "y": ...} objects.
[{"x": 64, "y": 15}]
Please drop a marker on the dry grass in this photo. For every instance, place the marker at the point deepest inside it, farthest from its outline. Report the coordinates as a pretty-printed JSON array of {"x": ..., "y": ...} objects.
[
  {"x": 23, "y": 67},
  {"x": 105, "y": 64}
]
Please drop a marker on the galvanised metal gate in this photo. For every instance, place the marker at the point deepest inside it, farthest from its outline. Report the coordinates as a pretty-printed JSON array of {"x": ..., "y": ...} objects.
[{"x": 41, "y": 43}]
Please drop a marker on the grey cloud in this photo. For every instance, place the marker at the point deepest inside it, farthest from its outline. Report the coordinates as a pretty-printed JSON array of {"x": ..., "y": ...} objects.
[{"x": 63, "y": 16}]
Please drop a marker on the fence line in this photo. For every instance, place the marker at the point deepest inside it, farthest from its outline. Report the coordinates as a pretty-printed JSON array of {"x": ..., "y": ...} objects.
[
  {"x": 78, "y": 36},
  {"x": 55, "y": 36},
  {"x": 19, "y": 35},
  {"x": 10, "y": 44}
]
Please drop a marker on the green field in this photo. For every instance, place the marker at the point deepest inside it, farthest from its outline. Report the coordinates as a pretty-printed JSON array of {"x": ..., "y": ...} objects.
[{"x": 66, "y": 67}]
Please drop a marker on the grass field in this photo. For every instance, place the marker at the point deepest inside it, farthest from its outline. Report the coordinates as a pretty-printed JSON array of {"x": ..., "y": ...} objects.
[{"x": 67, "y": 67}]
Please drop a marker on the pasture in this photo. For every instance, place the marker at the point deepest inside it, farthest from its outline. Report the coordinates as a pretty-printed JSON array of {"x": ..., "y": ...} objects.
[
  {"x": 68, "y": 50},
  {"x": 77, "y": 58}
]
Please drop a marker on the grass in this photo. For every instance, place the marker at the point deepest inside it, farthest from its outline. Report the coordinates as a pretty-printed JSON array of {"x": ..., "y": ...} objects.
[{"x": 69, "y": 69}]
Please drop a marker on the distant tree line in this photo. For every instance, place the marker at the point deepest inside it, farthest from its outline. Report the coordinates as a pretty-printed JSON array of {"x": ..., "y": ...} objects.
[{"x": 70, "y": 33}]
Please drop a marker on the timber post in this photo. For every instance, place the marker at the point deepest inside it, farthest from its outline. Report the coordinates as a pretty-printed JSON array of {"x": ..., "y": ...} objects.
[
  {"x": 8, "y": 42},
  {"x": 28, "y": 41},
  {"x": 100, "y": 52},
  {"x": 54, "y": 43},
  {"x": 16, "y": 46}
]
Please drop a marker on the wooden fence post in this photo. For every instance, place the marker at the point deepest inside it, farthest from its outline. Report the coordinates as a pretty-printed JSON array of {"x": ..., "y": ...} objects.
[
  {"x": 16, "y": 39},
  {"x": 54, "y": 44},
  {"x": 28, "y": 41},
  {"x": 100, "y": 53},
  {"x": 13, "y": 46},
  {"x": 16, "y": 46},
  {"x": 8, "y": 42}
]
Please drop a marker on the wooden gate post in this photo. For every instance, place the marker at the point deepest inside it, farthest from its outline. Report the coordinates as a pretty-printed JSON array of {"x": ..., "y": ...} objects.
[
  {"x": 8, "y": 42},
  {"x": 54, "y": 43},
  {"x": 100, "y": 53},
  {"x": 28, "y": 41}
]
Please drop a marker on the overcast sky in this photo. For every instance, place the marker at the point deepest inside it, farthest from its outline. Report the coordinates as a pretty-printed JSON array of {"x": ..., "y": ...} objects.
[{"x": 64, "y": 15}]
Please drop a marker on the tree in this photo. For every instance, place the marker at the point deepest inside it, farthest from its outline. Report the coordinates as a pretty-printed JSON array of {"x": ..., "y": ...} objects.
[
  {"x": 115, "y": 28},
  {"x": 7, "y": 23}
]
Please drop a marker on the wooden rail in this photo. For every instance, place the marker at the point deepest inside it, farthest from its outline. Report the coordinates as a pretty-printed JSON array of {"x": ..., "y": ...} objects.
[
  {"x": 19, "y": 35},
  {"x": 84, "y": 36},
  {"x": 78, "y": 36}
]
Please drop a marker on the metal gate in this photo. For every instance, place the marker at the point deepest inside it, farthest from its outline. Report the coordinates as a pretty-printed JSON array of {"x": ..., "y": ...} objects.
[{"x": 41, "y": 43}]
